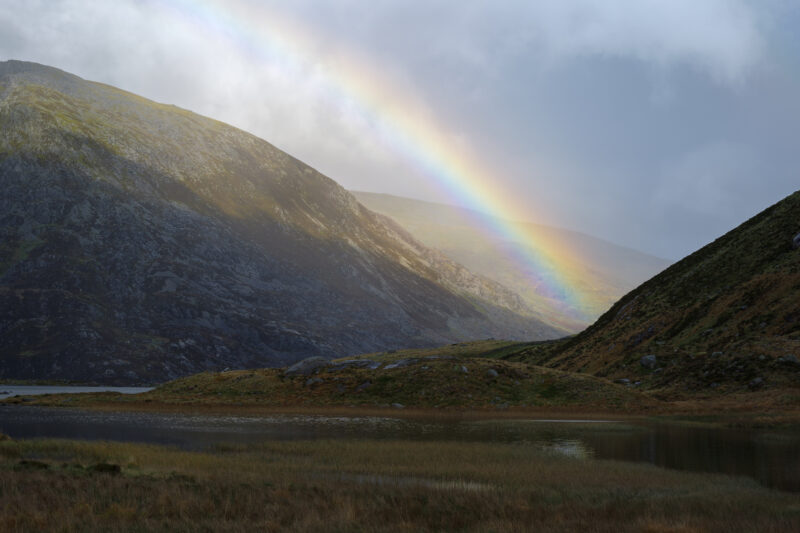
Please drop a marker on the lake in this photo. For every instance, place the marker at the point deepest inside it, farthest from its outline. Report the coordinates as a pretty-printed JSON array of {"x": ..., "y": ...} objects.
[
  {"x": 769, "y": 456},
  {"x": 7, "y": 391}
]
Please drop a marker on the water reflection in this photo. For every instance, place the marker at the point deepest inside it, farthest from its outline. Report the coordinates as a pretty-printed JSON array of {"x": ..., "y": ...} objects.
[
  {"x": 771, "y": 457},
  {"x": 568, "y": 447}
]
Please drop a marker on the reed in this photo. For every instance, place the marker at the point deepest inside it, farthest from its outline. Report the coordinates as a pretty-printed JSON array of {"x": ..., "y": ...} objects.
[{"x": 365, "y": 485}]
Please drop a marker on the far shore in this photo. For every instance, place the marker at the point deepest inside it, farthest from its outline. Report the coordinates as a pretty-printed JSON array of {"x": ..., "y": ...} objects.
[{"x": 710, "y": 414}]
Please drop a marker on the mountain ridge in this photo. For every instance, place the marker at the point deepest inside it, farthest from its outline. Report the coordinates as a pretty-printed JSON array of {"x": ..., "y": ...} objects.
[
  {"x": 179, "y": 244},
  {"x": 599, "y": 270}
]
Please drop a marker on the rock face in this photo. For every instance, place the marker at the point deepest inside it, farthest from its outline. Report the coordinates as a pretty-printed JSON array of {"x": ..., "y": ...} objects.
[
  {"x": 648, "y": 361},
  {"x": 140, "y": 242},
  {"x": 306, "y": 367}
]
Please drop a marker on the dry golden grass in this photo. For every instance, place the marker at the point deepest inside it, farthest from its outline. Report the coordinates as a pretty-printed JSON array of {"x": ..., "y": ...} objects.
[{"x": 362, "y": 485}]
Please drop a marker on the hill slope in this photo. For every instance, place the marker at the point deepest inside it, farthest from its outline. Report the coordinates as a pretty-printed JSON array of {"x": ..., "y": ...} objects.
[
  {"x": 140, "y": 242},
  {"x": 724, "y": 319},
  {"x": 601, "y": 270}
]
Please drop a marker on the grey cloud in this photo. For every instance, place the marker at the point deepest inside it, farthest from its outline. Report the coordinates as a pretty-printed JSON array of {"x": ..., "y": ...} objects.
[
  {"x": 718, "y": 176},
  {"x": 719, "y": 36},
  {"x": 723, "y": 38}
]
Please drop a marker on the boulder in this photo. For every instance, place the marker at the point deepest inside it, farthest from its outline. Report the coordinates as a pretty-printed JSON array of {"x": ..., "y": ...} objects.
[
  {"x": 354, "y": 363},
  {"x": 491, "y": 373},
  {"x": 401, "y": 363},
  {"x": 623, "y": 381},
  {"x": 306, "y": 367},
  {"x": 310, "y": 382},
  {"x": 796, "y": 241},
  {"x": 398, "y": 405},
  {"x": 648, "y": 361},
  {"x": 756, "y": 383}
]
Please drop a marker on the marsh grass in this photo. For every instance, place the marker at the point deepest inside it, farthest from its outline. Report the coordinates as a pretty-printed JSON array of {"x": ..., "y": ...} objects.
[{"x": 364, "y": 485}]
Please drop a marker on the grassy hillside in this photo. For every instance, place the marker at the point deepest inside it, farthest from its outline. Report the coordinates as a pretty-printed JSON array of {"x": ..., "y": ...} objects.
[{"x": 725, "y": 319}]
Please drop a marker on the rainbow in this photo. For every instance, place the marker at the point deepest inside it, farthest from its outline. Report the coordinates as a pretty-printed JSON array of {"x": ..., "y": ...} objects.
[{"x": 404, "y": 128}]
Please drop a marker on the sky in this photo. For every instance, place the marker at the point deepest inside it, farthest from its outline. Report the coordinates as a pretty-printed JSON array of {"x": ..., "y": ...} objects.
[{"x": 659, "y": 125}]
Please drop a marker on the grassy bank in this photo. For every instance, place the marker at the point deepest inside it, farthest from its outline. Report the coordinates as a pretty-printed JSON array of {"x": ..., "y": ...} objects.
[
  {"x": 465, "y": 380},
  {"x": 348, "y": 485},
  {"x": 462, "y": 376}
]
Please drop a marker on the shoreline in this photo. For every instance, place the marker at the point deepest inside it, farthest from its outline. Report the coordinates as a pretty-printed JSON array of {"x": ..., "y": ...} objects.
[{"x": 709, "y": 416}]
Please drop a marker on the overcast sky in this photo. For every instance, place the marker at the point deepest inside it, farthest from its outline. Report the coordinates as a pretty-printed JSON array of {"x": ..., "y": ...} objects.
[{"x": 655, "y": 124}]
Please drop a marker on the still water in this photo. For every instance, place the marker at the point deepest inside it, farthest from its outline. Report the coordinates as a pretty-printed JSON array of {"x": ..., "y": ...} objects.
[
  {"x": 7, "y": 391},
  {"x": 770, "y": 457}
]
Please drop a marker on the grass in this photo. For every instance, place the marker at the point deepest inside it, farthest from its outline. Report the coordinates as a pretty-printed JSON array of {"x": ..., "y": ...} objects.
[
  {"x": 363, "y": 485},
  {"x": 453, "y": 377},
  {"x": 488, "y": 348}
]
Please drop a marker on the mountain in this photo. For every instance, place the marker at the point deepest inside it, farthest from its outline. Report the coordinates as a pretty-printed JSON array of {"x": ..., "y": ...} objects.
[
  {"x": 724, "y": 319},
  {"x": 601, "y": 271},
  {"x": 140, "y": 242}
]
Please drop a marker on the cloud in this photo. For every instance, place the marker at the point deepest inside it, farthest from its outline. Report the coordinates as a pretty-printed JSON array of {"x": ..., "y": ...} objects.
[
  {"x": 554, "y": 97},
  {"x": 720, "y": 37},
  {"x": 716, "y": 179}
]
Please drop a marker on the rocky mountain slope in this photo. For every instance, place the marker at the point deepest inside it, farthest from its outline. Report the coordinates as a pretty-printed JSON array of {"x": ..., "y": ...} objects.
[
  {"x": 140, "y": 242},
  {"x": 601, "y": 271},
  {"x": 724, "y": 319}
]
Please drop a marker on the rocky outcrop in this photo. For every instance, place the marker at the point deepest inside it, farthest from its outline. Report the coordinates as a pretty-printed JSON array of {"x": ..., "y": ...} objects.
[{"x": 306, "y": 367}]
